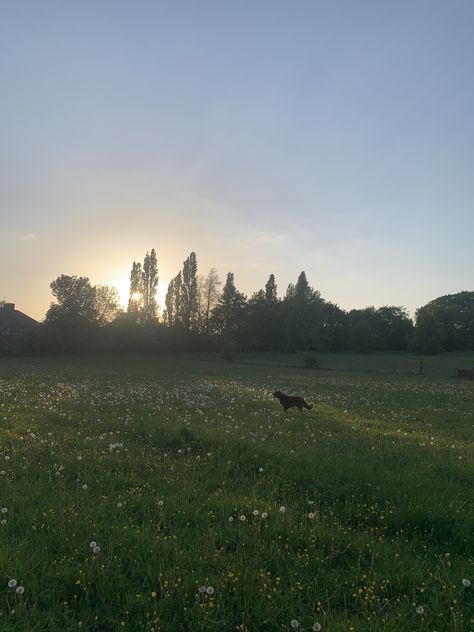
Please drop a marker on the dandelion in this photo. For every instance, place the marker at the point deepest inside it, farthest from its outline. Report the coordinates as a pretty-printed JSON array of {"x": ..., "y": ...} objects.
[
  {"x": 466, "y": 583},
  {"x": 311, "y": 515},
  {"x": 317, "y": 627},
  {"x": 255, "y": 512},
  {"x": 4, "y": 510},
  {"x": 20, "y": 590},
  {"x": 420, "y": 610},
  {"x": 119, "y": 505},
  {"x": 202, "y": 589},
  {"x": 295, "y": 623},
  {"x": 96, "y": 549},
  {"x": 264, "y": 514},
  {"x": 3, "y": 521},
  {"x": 260, "y": 469},
  {"x": 242, "y": 518},
  {"x": 282, "y": 509},
  {"x": 210, "y": 590},
  {"x": 84, "y": 486},
  {"x": 12, "y": 583},
  {"x": 93, "y": 544},
  {"x": 231, "y": 518},
  {"x": 160, "y": 503}
]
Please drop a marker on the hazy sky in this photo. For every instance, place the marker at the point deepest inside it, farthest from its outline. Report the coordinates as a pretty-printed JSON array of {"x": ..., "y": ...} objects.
[{"x": 333, "y": 137}]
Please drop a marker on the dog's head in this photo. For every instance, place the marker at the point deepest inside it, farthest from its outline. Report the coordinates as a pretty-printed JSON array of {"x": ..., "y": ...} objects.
[{"x": 277, "y": 394}]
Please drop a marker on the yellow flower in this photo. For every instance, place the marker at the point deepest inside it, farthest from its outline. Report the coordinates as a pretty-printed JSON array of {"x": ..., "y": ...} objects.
[{"x": 153, "y": 594}]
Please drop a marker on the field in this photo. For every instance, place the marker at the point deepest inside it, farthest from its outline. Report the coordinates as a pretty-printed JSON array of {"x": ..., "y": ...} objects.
[{"x": 173, "y": 494}]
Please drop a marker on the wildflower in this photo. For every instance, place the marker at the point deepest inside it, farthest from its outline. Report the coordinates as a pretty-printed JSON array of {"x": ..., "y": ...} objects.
[
  {"x": 20, "y": 590},
  {"x": 311, "y": 515},
  {"x": 84, "y": 486},
  {"x": 317, "y": 627},
  {"x": 260, "y": 469},
  {"x": 295, "y": 623},
  {"x": 242, "y": 518},
  {"x": 255, "y": 512},
  {"x": 202, "y": 589},
  {"x": 153, "y": 594},
  {"x": 12, "y": 583},
  {"x": 96, "y": 549},
  {"x": 466, "y": 583},
  {"x": 264, "y": 514},
  {"x": 4, "y": 510},
  {"x": 3, "y": 521},
  {"x": 420, "y": 610},
  {"x": 160, "y": 503},
  {"x": 231, "y": 518},
  {"x": 119, "y": 505},
  {"x": 282, "y": 509},
  {"x": 93, "y": 544},
  {"x": 210, "y": 590}
]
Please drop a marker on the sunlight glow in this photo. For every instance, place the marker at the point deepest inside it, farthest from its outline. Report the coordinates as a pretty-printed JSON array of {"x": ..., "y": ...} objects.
[{"x": 122, "y": 284}]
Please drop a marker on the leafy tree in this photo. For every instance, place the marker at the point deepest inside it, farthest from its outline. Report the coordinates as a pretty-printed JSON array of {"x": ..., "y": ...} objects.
[
  {"x": 149, "y": 285},
  {"x": 362, "y": 337},
  {"x": 209, "y": 295},
  {"x": 394, "y": 328},
  {"x": 262, "y": 329},
  {"x": 81, "y": 309},
  {"x": 107, "y": 302},
  {"x": 302, "y": 308},
  {"x": 428, "y": 334},
  {"x": 189, "y": 294},
  {"x": 228, "y": 315},
  {"x": 453, "y": 316},
  {"x": 135, "y": 301}
]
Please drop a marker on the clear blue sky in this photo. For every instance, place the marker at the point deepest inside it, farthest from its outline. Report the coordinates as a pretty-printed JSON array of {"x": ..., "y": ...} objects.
[{"x": 334, "y": 137}]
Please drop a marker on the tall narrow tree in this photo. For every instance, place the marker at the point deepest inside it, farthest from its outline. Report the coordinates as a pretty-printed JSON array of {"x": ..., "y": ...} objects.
[
  {"x": 189, "y": 293},
  {"x": 209, "y": 295},
  {"x": 135, "y": 299},
  {"x": 149, "y": 285}
]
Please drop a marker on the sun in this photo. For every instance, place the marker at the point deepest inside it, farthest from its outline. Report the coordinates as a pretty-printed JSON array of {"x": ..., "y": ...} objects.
[{"x": 122, "y": 285}]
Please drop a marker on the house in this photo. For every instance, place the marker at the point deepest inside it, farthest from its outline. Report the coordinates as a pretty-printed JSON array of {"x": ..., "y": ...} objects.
[{"x": 13, "y": 323}]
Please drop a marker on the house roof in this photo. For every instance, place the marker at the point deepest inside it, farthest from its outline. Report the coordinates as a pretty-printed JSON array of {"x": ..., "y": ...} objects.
[{"x": 11, "y": 317}]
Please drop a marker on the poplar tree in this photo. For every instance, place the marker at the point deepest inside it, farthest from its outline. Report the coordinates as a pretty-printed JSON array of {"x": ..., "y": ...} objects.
[
  {"x": 189, "y": 293},
  {"x": 149, "y": 285},
  {"x": 136, "y": 290}
]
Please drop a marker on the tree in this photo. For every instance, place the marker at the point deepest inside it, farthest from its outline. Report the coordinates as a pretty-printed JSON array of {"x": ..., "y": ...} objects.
[
  {"x": 81, "y": 309},
  {"x": 262, "y": 329},
  {"x": 302, "y": 309},
  {"x": 209, "y": 295},
  {"x": 135, "y": 301},
  {"x": 229, "y": 311},
  {"x": 189, "y": 294},
  {"x": 428, "y": 334},
  {"x": 174, "y": 314},
  {"x": 149, "y": 285},
  {"x": 107, "y": 302},
  {"x": 453, "y": 316}
]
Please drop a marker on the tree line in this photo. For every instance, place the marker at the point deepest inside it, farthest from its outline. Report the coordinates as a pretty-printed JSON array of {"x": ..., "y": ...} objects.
[{"x": 204, "y": 313}]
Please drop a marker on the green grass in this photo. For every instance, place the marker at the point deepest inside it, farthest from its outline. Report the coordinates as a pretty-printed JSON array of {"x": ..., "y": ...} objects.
[{"x": 157, "y": 459}]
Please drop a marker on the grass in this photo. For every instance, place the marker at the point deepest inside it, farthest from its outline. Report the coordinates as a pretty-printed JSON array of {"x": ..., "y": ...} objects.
[{"x": 215, "y": 512}]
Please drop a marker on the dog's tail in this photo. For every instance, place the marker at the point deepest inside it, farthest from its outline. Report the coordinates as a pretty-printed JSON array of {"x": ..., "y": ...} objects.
[{"x": 307, "y": 406}]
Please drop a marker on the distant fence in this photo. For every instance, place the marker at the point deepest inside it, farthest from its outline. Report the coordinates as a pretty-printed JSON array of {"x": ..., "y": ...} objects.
[{"x": 465, "y": 374}]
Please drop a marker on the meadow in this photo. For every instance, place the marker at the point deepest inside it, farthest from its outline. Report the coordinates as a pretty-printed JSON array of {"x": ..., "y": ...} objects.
[{"x": 172, "y": 493}]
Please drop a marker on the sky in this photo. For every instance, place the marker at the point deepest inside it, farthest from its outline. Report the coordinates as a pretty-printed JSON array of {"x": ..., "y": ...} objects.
[{"x": 268, "y": 136}]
